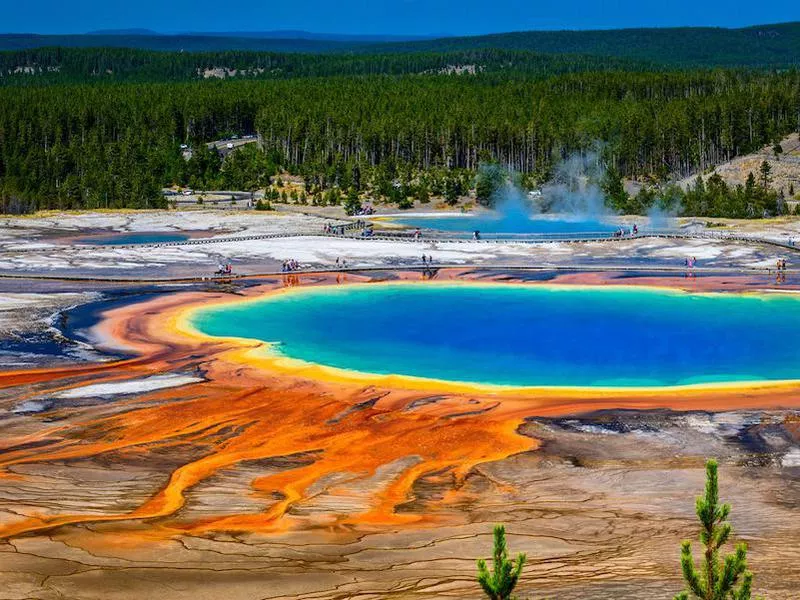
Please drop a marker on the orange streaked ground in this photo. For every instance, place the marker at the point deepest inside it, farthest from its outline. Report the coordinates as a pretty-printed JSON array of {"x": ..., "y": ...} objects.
[{"x": 254, "y": 410}]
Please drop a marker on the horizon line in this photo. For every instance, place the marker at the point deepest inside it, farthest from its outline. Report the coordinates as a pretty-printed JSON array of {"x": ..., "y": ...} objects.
[{"x": 147, "y": 32}]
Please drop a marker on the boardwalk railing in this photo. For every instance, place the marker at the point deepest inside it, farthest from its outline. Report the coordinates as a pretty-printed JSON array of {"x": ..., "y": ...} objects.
[
  {"x": 430, "y": 268},
  {"x": 355, "y": 231},
  {"x": 578, "y": 236}
]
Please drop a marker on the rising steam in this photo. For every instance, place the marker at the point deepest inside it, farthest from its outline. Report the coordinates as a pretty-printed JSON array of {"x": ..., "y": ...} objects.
[{"x": 573, "y": 194}]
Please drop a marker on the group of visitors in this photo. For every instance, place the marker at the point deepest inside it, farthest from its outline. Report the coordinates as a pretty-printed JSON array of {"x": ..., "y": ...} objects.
[
  {"x": 476, "y": 235},
  {"x": 341, "y": 263},
  {"x": 330, "y": 229},
  {"x": 690, "y": 262},
  {"x": 290, "y": 265},
  {"x": 622, "y": 231},
  {"x": 428, "y": 271},
  {"x": 224, "y": 269},
  {"x": 334, "y": 229},
  {"x": 780, "y": 276},
  {"x": 365, "y": 210}
]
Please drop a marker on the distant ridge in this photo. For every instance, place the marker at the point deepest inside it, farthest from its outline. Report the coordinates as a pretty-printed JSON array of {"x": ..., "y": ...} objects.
[
  {"x": 771, "y": 45},
  {"x": 775, "y": 44},
  {"x": 133, "y": 31},
  {"x": 173, "y": 43},
  {"x": 291, "y": 34}
]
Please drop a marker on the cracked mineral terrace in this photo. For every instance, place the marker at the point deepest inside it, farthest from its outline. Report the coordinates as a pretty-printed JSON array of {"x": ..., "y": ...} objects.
[{"x": 138, "y": 461}]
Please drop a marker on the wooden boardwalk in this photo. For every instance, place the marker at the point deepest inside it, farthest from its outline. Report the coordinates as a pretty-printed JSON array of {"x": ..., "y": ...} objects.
[
  {"x": 437, "y": 237},
  {"x": 506, "y": 267},
  {"x": 430, "y": 237}
]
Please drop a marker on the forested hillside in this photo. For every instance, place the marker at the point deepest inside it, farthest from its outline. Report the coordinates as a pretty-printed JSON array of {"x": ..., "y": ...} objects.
[
  {"x": 62, "y": 65},
  {"x": 170, "y": 43},
  {"x": 116, "y": 144},
  {"x": 764, "y": 45}
]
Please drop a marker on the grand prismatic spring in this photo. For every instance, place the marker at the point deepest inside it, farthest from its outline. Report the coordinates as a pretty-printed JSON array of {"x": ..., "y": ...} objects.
[
  {"x": 522, "y": 335},
  {"x": 337, "y": 435}
]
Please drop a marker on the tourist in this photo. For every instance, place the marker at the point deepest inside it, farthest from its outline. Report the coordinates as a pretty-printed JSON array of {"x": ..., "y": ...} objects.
[{"x": 290, "y": 265}]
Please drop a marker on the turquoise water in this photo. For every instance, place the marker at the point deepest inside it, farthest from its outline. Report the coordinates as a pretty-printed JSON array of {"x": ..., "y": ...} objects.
[
  {"x": 124, "y": 239},
  {"x": 527, "y": 335},
  {"x": 508, "y": 224}
]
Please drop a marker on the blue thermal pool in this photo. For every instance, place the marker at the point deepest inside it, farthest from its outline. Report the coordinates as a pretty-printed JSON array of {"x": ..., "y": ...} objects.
[
  {"x": 506, "y": 224},
  {"x": 125, "y": 239},
  {"x": 525, "y": 335}
]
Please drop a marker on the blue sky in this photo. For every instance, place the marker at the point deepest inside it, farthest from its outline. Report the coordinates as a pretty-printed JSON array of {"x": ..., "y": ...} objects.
[{"x": 383, "y": 16}]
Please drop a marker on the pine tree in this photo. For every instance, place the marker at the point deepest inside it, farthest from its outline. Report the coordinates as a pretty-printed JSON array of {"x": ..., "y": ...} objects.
[
  {"x": 423, "y": 194},
  {"x": 614, "y": 189},
  {"x": 450, "y": 192},
  {"x": 501, "y": 581},
  {"x": 765, "y": 169},
  {"x": 352, "y": 203},
  {"x": 715, "y": 580},
  {"x": 490, "y": 179}
]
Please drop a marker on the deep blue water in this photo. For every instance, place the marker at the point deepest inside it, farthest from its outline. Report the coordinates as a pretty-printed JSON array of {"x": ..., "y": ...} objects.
[
  {"x": 527, "y": 334},
  {"x": 123, "y": 239},
  {"x": 508, "y": 224}
]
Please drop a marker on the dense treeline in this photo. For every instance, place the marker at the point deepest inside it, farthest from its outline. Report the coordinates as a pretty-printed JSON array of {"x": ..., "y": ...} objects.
[
  {"x": 172, "y": 43},
  {"x": 775, "y": 45},
  {"x": 761, "y": 45},
  {"x": 96, "y": 145},
  {"x": 79, "y": 65},
  {"x": 653, "y": 123}
]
